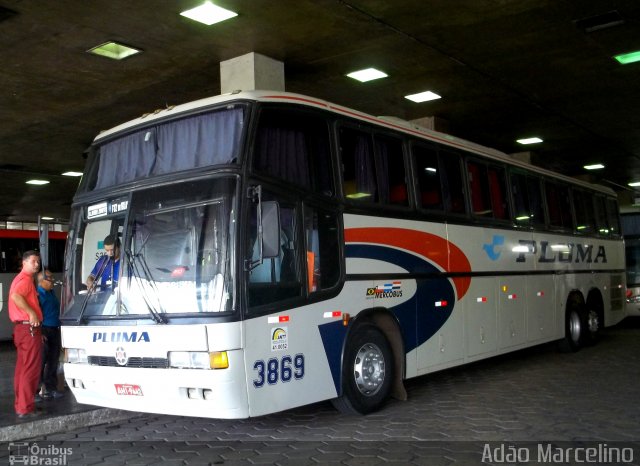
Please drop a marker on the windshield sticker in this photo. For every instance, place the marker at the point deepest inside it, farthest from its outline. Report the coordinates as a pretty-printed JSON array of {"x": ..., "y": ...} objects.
[
  {"x": 279, "y": 339},
  {"x": 97, "y": 210},
  {"x": 118, "y": 206}
]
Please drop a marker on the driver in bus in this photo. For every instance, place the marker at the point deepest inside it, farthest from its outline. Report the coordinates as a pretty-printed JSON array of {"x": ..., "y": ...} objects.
[{"x": 107, "y": 268}]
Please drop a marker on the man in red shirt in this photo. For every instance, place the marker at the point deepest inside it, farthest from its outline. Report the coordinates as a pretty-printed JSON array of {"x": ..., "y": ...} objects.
[{"x": 25, "y": 313}]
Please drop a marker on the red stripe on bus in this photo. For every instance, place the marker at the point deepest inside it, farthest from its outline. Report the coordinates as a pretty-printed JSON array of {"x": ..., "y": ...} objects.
[{"x": 433, "y": 247}]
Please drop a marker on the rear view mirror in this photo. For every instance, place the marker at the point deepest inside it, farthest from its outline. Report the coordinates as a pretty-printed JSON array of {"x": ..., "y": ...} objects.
[{"x": 270, "y": 229}]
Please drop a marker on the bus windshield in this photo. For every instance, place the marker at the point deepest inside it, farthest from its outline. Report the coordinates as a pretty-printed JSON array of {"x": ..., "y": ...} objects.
[{"x": 174, "y": 254}]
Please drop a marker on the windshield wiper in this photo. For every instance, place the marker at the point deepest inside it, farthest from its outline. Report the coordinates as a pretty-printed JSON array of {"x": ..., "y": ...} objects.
[{"x": 132, "y": 260}]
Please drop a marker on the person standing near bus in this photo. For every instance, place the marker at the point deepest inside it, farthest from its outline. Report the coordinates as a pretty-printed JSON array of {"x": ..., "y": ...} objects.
[
  {"x": 26, "y": 315},
  {"x": 51, "y": 342},
  {"x": 107, "y": 268}
]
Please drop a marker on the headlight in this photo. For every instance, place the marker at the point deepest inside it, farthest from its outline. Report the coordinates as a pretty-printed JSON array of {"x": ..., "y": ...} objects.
[
  {"x": 75, "y": 356},
  {"x": 198, "y": 360}
]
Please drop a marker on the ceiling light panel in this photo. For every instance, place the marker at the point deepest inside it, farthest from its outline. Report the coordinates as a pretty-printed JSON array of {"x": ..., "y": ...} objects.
[
  {"x": 113, "y": 50},
  {"x": 37, "y": 182},
  {"x": 209, "y": 14},
  {"x": 368, "y": 74},
  {"x": 72, "y": 173},
  {"x": 526, "y": 141},
  {"x": 626, "y": 58},
  {"x": 423, "y": 96},
  {"x": 595, "y": 166}
]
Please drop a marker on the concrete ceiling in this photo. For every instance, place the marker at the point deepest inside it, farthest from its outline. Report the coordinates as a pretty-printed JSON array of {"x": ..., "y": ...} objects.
[{"x": 505, "y": 69}]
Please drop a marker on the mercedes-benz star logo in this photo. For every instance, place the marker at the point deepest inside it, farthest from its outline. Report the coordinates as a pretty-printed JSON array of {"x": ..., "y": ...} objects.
[{"x": 121, "y": 356}]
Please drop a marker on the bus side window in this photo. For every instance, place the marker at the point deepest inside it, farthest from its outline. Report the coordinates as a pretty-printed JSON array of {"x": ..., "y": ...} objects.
[
  {"x": 522, "y": 214},
  {"x": 452, "y": 183},
  {"x": 535, "y": 200},
  {"x": 613, "y": 218},
  {"x": 358, "y": 166},
  {"x": 392, "y": 183},
  {"x": 479, "y": 189},
  {"x": 428, "y": 173},
  {"x": 498, "y": 192},
  {"x": 583, "y": 205},
  {"x": 558, "y": 206},
  {"x": 294, "y": 146},
  {"x": 277, "y": 278},
  {"x": 322, "y": 250},
  {"x": 601, "y": 216}
]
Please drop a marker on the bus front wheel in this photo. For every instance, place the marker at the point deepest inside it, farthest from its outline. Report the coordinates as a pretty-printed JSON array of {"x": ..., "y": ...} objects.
[{"x": 366, "y": 373}]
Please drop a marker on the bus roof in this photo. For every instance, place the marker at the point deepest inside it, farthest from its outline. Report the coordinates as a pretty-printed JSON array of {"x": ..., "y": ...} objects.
[{"x": 388, "y": 122}]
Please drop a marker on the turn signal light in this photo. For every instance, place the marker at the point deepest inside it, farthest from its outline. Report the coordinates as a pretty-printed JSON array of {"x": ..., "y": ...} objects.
[{"x": 219, "y": 360}]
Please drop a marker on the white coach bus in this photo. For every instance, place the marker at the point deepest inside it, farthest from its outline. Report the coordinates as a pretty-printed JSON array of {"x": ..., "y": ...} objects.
[{"x": 279, "y": 250}]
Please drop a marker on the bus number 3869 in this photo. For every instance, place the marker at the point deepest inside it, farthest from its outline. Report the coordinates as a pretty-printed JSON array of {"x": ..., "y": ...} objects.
[{"x": 283, "y": 370}]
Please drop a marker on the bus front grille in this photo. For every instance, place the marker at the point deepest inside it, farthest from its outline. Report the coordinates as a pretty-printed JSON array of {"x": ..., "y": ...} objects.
[{"x": 146, "y": 363}]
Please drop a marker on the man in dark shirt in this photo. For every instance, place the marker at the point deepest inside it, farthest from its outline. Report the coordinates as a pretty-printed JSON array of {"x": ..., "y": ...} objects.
[{"x": 51, "y": 335}]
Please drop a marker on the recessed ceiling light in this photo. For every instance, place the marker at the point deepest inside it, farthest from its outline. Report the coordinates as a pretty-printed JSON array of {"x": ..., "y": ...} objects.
[
  {"x": 208, "y": 14},
  {"x": 634, "y": 184},
  {"x": 595, "y": 166},
  {"x": 529, "y": 141},
  {"x": 46, "y": 218},
  {"x": 113, "y": 50},
  {"x": 72, "y": 174},
  {"x": 423, "y": 96},
  {"x": 37, "y": 182},
  {"x": 367, "y": 75},
  {"x": 626, "y": 58}
]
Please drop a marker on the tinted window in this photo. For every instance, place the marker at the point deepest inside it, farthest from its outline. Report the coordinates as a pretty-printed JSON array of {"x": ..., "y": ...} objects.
[
  {"x": 294, "y": 146},
  {"x": 358, "y": 166},
  {"x": 479, "y": 189},
  {"x": 521, "y": 214},
  {"x": 452, "y": 183},
  {"x": 392, "y": 183},
  {"x": 428, "y": 173},
  {"x": 498, "y": 192},
  {"x": 612, "y": 216},
  {"x": 558, "y": 206},
  {"x": 322, "y": 249},
  {"x": 583, "y": 205}
]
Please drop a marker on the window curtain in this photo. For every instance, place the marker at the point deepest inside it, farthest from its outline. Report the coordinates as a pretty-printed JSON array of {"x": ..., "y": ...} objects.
[
  {"x": 365, "y": 170},
  {"x": 383, "y": 171},
  {"x": 127, "y": 158},
  {"x": 199, "y": 141},
  {"x": 282, "y": 153}
]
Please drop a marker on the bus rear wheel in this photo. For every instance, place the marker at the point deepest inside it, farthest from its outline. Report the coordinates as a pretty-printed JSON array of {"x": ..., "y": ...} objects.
[
  {"x": 366, "y": 373},
  {"x": 594, "y": 326},
  {"x": 576, "y": 328}
]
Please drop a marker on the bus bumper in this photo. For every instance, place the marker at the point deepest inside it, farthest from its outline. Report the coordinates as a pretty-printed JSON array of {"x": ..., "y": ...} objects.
[{"x": 219, "y": 394}]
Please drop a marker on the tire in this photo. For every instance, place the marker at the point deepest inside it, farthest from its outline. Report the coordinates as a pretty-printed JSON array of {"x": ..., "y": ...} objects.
[
  {"x": 367, "y": 372},
  {"x": 593, "y": 327},
  {"x": 576, "y": 325}
]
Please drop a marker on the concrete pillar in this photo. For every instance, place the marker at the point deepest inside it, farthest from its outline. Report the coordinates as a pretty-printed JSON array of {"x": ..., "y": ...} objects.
[
  {"x": 521, "y": 156},
  {"x": 251, "y": 72},
  {"x": 434, "y": 123}
]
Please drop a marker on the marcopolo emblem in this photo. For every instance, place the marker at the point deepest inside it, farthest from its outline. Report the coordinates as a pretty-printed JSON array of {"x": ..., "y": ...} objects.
[{"x": 121, "y": 356}]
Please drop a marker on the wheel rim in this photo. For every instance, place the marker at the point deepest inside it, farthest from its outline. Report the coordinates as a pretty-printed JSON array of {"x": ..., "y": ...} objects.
[
  {"x": 593, "y": 321},
  {"x": 369, "y": 369},
  {"x": 574, "y": 327}
]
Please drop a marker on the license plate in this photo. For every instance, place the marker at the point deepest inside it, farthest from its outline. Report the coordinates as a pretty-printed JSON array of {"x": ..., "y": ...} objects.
[{"x": 128, "y": 389}]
